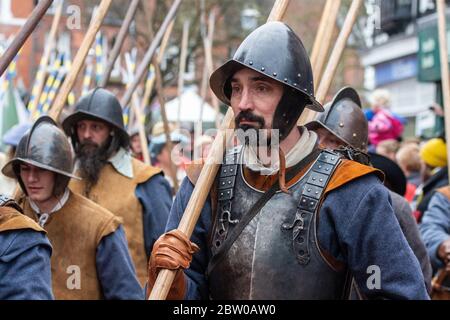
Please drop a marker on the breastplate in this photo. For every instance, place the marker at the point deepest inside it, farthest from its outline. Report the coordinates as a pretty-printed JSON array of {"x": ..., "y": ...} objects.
[{"x": 276, "y": 256}]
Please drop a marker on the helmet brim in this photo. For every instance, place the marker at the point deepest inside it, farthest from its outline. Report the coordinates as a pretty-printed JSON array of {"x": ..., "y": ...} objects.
[
  {"x": 8, "y": 170},
  {"x": 220, "y": 76}
]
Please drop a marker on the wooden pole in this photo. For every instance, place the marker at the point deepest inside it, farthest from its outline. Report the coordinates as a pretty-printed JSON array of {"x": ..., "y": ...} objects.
[
  {"x": 139, "y": 108},
  {"x": 78, "y": 62},
  {"x": 308, "y": 115},
  {"x": 119, "y": 41},
  {"x": 40, "y": 76},
  {"x": 160, "y": 94},
  {"x": 183, "y": 55},
  {"x": 443, "y": 52},
  {"x": 23, "y": 34},
  {"x": 143, "y": 66},
  {"x": 325, "y": 41},
  {"x": 206, "y": 179},
  {"x": 320, "y": 31}
]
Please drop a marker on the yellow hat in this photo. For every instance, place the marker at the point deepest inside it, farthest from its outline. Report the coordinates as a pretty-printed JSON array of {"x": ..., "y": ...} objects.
[{"x": 434, "y": 153}]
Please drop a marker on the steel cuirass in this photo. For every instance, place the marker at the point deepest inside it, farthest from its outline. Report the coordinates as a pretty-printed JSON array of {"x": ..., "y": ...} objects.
[{"x": 276, "y": 256}]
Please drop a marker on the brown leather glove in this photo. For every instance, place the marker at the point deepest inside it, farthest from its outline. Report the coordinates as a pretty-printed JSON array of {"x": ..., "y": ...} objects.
[
  {"x": 173, "y": 250},
  {"x": 444, "y": 253}
]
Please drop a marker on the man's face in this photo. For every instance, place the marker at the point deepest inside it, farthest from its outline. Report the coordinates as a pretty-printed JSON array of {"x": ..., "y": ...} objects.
[
  {"x": 328, "y": 140},
  {"x": 38, "y": 182},
  {"x": 96, "y": 132},
  {"x": 254, "y": 99},
  {"x": 135, "y": 142}
]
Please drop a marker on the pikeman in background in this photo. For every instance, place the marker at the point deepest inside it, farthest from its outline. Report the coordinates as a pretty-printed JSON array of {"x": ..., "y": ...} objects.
[
  {"x": 112, "y": 178},
  {"x": 90, "y": 257}
]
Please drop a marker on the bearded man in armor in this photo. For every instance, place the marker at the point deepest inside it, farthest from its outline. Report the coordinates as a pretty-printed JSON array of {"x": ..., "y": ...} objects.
[{"x": 300, "y": 227}]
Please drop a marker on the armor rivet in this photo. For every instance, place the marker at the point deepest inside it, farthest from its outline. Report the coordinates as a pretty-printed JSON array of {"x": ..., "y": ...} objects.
[
  {"x": 320, "y": 167},
  {"x": 321, "y": 180},
  {"x": 225, "y": 171},
  {"x": 309, "y": 190},
  {"x": 314, "y": 179},
  {"x": 326, "y": 157},
  {"x": 221, "y": 194},
  {"x": 311, "y": 204},
  {"x": 250, "y": 63},
  {"x": 223, "y": 183},
  {"x": 299, "y": 75},
  {"x": 229, "y": 182},
  {"x": 341, "y": 125},
  {"x": 354, "y": 135},
  {"x": 317, "y": 192},
  {"x": 304, "y": 200},
  {"x": 285, "y": 80},
  {"x": 262, "y": 68},
  {"x": 327, "y": 169},
  {"x": 274, "y": 74},
  {"x": 295, "y": 84},
  {"x": 231, "y": 170},
  {"x": 332, "y": 159}
]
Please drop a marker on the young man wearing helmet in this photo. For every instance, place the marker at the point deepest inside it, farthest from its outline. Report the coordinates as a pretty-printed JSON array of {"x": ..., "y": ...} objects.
[
  {"x": 90, "y": 257},
  {"x": 332, "y": 220},
  {"x": 24, "y": 256},
  {"x": 112, "y": 178},
  {"x": 343, "y": 127}
]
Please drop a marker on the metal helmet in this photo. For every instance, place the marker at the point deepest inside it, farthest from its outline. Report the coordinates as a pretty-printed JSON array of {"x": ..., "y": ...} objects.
[
  {"x": 344, "y": 118},
  {"x": 275, "y": 51},
  {"x": 47, "y": 147},
  {"x": 98, "y": 104}
]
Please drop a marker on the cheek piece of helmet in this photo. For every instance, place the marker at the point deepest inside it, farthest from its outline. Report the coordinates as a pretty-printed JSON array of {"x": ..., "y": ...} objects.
[{"x": 288, "y": 111}]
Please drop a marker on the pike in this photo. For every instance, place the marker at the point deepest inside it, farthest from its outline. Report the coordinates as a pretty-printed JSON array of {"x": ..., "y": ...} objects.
[
  {"x": 143, "y": 66},
  {"x": 26, "y": 30},
  {"x": 184, "y": 47},
  {"x": 443, "y": 52},
  {"x": 206, "y": 179},
  {"x": 333, "y": 62},
  {"x": 78, "y": 62},
  {"x": 148, "y": 90},
  {"x": 119, "y": 42},
  {"x": 40, "y": 76}
]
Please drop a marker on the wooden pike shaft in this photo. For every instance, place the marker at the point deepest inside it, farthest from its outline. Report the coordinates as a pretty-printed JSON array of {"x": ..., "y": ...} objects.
[
  {"x": 308, "y": 115},
  {"x": 119, "y": 41},
  {"x": 78, "y": 62},
  {"x": 32, "y": 21},
  {"x": 160, "y": 94},
  {"x": 143, "y": 66},
  {"x": 46, "y": 55},
  {"x": 206, "y": 179},
  {"x": 184, "y": 47},
  {"x": 442, "y": 25},
  {"x": 320, "y": 31},
  {"x": 325, "y": 41}
]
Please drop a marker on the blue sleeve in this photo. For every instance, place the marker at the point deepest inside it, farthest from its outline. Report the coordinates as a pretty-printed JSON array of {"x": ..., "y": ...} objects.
[
  {"x": 25, "y": 269},
  {"x": 358, "y": 227},
  {"x": 435, "y": 227},
  {"x": 197, "y": 286},
  {"x": 155, "y": 196},
  {"x": 116, "y": 270}
]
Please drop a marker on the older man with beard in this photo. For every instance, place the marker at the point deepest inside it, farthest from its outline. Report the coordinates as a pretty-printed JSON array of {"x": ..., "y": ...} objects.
[{"x": 111, "y": 177}]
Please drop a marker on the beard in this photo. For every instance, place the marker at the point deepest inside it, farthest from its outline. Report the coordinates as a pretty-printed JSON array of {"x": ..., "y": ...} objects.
[
  {"x": 252, "y": 134},
  {"x": 92, "y": 158}
]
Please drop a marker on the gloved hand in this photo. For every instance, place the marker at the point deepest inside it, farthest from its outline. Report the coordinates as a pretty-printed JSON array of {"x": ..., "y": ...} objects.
[{"x": 173, "y": 250}]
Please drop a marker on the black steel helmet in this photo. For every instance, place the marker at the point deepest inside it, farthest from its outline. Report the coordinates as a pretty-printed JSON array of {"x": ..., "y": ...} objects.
[
  {"x": 47, "y": 147},
  {"x": 275, "y": 51},
  {"x": 98, "y": 104},
  {"x": 344, "y": 118}
]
